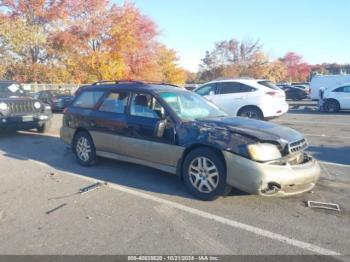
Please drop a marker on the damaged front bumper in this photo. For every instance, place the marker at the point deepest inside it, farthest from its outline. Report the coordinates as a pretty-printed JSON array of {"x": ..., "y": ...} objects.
[{"x": 277, "y": 178}]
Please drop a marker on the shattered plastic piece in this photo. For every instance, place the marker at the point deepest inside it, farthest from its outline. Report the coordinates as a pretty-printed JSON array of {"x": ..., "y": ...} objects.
[
  {"x": 56, "y": 208},
  {"x": 90, "y": 188},
  {"x": 322, "y": 205}
]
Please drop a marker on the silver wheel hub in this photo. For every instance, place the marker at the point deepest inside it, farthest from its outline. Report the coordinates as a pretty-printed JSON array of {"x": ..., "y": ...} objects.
[
  {"x": 203, "y": 174},
  {"x": 83, "y": 149}
]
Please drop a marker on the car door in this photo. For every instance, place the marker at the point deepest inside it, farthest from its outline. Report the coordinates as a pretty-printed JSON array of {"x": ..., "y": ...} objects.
[
  {"x": 141, "y": 142},
  {"x": 109, "y": 122},
  {"x": 342, "y": 94},
  {"x": 229, "y": 97}
]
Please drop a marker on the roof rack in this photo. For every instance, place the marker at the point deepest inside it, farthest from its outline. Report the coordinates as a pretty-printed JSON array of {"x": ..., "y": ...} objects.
[{"x": 117, "y": 82}]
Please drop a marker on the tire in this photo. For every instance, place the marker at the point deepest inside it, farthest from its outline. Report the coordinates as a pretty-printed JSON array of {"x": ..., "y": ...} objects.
[
  {"x": 199, "y": 183},
  {"x": 331, "y": 106},
  {"x": 45, "y": 127},
  {"x": 251, "y": 112},
  {"x": 84, "y": 149}
]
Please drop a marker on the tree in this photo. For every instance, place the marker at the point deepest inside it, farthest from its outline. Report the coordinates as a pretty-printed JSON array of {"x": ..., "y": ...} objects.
[{"x": 298, "y": 70}]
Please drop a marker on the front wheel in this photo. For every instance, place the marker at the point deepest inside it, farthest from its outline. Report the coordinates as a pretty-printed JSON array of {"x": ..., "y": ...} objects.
[
  {"x": 44, "y": 128},
  {"x": 204, "y": 174},
  {"x": 84, "y": 149},
  {"x": 331, "y": 106}
]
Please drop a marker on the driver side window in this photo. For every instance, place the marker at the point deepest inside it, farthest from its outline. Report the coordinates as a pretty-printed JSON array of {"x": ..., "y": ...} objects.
[{"x": 145, "y": 105}]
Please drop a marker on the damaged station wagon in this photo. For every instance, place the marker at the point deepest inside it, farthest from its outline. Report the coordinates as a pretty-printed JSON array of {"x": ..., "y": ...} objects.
[{"x": 177, "y": 131}]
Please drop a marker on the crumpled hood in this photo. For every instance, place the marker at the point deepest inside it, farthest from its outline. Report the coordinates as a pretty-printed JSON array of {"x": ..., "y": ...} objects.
[{"x": 261, "y": 130}]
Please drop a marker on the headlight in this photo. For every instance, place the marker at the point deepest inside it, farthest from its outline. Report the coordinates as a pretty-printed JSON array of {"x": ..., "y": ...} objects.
[
  {"x": 37, "y": 105},
  {"x": 3, "y": 106},
  {"x": 263, "y": 152}
]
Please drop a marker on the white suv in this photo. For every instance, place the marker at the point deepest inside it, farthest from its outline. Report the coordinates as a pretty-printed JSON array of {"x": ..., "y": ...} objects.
[
  {"x": 336, "y": 98},
  {"x": 253, "y": 98}
]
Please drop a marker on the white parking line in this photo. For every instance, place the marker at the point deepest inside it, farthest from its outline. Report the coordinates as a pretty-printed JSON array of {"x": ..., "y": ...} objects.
[
  {"x": 323, "y": 135},
  {"x": 312, "y": 122},
  {"x": 333, "y": 164},
  {"x": 229, "y": 222}
]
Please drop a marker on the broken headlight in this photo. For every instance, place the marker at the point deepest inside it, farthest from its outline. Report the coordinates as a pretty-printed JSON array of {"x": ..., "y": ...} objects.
[{"x": 263, "y": 152}]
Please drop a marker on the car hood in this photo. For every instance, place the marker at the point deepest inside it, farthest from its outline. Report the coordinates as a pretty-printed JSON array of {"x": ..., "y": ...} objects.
[
  {"x": 16, "y": 98},
  {"x": 260, "y": 130}
]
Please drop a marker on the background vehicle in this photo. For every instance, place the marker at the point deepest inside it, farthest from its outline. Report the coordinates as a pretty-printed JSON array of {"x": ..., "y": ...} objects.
[
  {"x": 326, "y": 81},
  {"x": 190, "y": 87},
  {"x": 337, "y": 98},
  {"x": 293, "y": 92},
  {"x": 257, "y": 99},
  {"x": 57, "y": 99},
  {"x": 306, "y": 88},
  {"x": 21, "y": 112},
  {"x": 178, "y": 131}
]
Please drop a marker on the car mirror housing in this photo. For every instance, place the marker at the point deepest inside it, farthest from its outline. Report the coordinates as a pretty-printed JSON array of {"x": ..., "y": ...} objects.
[{"x": 160, "y": 128}]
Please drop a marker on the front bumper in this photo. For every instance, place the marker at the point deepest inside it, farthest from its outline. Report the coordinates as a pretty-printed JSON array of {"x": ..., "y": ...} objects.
[
  {"x": 271, "y": 179},
  {"x": 23, "y": 122}
]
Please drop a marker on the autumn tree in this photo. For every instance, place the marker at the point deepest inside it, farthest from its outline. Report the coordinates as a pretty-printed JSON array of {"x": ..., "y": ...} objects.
[{"x": 298, "y": 70}]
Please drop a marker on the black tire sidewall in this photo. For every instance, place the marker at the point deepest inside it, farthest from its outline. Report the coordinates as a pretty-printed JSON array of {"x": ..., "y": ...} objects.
[
  {"x": 92, "y": 158},
  {"x": 220, "y": 165},
  {"x": 334, "y": 105},
  {"x": 251, "y": 109}
]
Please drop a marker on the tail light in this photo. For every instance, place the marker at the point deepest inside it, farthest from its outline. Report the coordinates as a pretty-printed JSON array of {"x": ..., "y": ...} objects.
[{"x": 275, "y": 94}]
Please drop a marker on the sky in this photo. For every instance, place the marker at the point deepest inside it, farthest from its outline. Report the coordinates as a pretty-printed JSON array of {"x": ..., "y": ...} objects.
[{"x": 319, "y": 30}]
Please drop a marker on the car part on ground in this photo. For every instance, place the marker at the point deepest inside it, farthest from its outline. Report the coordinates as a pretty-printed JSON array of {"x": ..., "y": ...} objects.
[
  {"x": 252, "y": 98},
  {"x": 323, "y": 205},
  {"x": 179, "y": 132}
]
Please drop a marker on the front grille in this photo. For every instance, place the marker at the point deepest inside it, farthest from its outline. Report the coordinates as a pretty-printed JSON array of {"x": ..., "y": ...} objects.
[
  {"x": 21, "y": 107},
  {"x": 297, "y": 146}
]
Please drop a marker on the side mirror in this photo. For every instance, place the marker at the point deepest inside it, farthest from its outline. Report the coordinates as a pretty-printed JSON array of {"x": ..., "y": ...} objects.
[
  {"x": 211, "y": 93},
  {"x": 160, "y": 128}
]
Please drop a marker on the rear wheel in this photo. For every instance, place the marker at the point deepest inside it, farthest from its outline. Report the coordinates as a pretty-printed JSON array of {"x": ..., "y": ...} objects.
[
  {"x": 84, "y": 149},
  {"x": 204, "y": 174},
  {"x": 251, "y": 112},
  {"x": 331, "y": 106}
]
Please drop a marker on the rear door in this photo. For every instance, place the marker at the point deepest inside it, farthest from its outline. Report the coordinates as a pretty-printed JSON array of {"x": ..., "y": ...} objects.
[{"x": 232, "y": 96}]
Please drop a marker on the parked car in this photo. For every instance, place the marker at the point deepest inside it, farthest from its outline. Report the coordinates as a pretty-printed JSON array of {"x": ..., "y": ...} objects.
[
  {"x": 304, "y": 87},
  {"x": 190, "y": 87},
  {"x": 21, "y": 112},
  {"x": 326, "y": 81},
  {"x": 178, "y": 131},
  {"x": 336, "y": 98},
  {"x": 293, "y": 92},
  {"x": 257, "y": 99},
  {"x": 57, "y": 99}
]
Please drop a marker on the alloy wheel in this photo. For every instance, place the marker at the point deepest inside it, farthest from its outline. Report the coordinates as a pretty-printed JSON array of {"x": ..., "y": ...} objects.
[{"x": 204, "y": 175}]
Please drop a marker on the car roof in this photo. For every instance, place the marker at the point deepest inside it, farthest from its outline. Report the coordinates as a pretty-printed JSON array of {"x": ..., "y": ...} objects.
[
  {"x": 135, "y": 86},
  {"x": 241, "y": 80}
]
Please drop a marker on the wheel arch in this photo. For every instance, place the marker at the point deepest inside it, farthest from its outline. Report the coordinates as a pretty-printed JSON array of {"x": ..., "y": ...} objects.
[
  {"x": 250, "y": 106},
  {"x": 190, "y": 149},
  {"x": 78, "y": 130}
]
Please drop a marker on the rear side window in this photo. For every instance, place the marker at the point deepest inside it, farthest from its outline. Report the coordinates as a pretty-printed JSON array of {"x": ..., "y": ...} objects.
[
  {"x": 229, "y": 87},
  {"x": 88, "y": 99},
  {"x": 115, "y": 103},
  {"x": 269, "y": 84}
]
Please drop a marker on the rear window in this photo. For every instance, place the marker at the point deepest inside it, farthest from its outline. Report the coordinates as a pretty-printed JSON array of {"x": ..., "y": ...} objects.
[
  {"x": 269, "y": 84},
  {"x": 88, "y": 99}
]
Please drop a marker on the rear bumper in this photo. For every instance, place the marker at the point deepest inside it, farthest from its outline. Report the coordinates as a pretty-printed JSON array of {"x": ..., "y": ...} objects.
[
  {"x": 260, "y": 178},
  {"x": 23, "y": 122},
  {"x": 271, "y": 111}
]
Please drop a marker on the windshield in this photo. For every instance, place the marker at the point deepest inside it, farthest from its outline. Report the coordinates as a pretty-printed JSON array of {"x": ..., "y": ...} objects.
[
  {"x": 11, "y": 89},
  {"x": 190, "y": 106}
]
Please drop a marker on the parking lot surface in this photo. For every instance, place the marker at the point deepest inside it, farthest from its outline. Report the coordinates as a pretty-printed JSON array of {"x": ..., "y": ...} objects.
[{"x": 145, "y": 211}]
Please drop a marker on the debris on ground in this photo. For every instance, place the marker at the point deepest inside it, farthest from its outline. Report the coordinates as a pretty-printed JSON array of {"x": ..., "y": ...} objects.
[
  {"x": 322, "y": 205},
  {"x": 55, "y": 209},
  {"x": 90, "y": 188}
]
